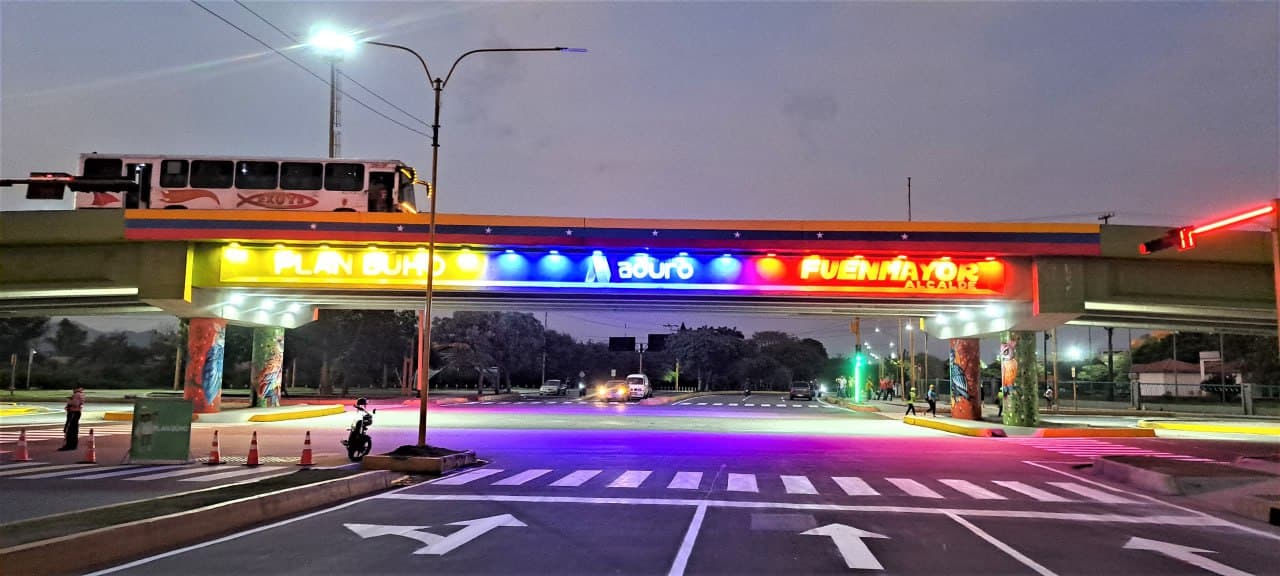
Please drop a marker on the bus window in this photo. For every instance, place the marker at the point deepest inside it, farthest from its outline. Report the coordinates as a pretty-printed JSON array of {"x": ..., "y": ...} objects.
[
  {"x": 256, "y": 175},
  {"x": 141, "y": 196},
  {"x": 212, "y": 173},
  {"x": 173, "y": 174},
  {"x": 105, "y": 168},
  {"x": 301, "y": 175},
  {"x": 344, "y": 177},
  {"x": 380, "y": 186}
]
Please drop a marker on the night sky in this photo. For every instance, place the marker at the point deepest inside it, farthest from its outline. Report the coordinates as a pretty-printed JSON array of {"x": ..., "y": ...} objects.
[{"x": 1161, "y": 112}]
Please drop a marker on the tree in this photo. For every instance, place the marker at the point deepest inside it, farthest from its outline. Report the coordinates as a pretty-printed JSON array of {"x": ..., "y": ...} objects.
[
  {"x": 17, "y": 334},
  {"x": 803, "y": 359},
  {"x": 69, "y": 339},
  {"x": 708, "y": 352},
  {"x": 511, "y": 341}
]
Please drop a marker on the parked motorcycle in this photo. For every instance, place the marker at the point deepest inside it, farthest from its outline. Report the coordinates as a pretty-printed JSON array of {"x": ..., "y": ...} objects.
[{"x": 358, "y": 442}]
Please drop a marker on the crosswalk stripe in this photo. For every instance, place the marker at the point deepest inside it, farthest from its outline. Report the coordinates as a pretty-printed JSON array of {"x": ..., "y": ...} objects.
[
  {"x": 41, "y": 469},
  {"x": 466, "y": 477},
  {"x": 630, "y": 479},
  {"x": 734, "y": 404},
  {"x": 748, "y": 404},
  {"x": 186, "y": 471},
  {"x": 855, "y": 486},
  {"x": 913, "y": 488},
  {"x": 131, "y": 470},
  {"x": 233, "y": 474},
  {"x": 576, "y": 478},
  {"x": 798, "y": 485},
  {"x": 769, "y": 405},
  {"x": 21, "y": 465},
  {"x": 743, "y": 483},
  {"x": 522, "y": 477},
  {"x": 1092, "y": 494},
  {"x": 797, "y": 405},
  {"x": 1033, "y": 492},
  {"x": 686, "y": 481},
  {"x": 56, "y": 474},
  {"x": 718, "y": 404},
  {"x": 972, "y": 490}
]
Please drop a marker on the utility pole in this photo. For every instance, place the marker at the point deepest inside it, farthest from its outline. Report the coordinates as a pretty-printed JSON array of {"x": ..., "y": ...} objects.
[
  {"x": 544, "y": 350},
  {"x": 908, "y": 198},
  {"x": 13, "y": 371},
  {"x": 641, "y": 357},
  {"x": 1111, "y": 364},
  {"x": 1106, "y": 218},
  {"x": 335, "y": 110}
]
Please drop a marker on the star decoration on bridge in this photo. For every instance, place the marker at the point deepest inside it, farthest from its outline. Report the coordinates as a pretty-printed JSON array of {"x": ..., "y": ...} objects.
[
  {"x": 905, "y": 236},
  {"x": 655, "y": 232},
  {"x": 819, "y": 235},
  {"x": 737, "y": 234},
  {"x": 313, "y": 226},
  {"x": 488, "y": 230},
  {"x": 568, "y": 232},
  {"x": 400, "y": 228}
]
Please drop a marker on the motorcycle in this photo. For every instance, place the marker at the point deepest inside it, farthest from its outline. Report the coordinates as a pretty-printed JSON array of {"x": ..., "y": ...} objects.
[{"x": 358, "y": 442}]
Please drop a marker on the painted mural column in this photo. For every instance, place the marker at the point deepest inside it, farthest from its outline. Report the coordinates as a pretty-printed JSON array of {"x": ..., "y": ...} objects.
[
  {"x": 966, "y": 375},
  {"x": 203, "y": 383},
  {"x": 1018, "y": 378},
  {"x": 268, "y": 363}
]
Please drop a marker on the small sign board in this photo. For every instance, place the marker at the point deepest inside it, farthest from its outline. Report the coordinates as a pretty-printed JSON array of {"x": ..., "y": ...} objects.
[{"x": 161, "y": 431}]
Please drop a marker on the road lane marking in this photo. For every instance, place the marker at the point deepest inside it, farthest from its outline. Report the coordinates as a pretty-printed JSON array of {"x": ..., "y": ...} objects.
[
  {"x": 1091, "y": 494},
  {"x": 42, "y": 469},
  {"x": 686, "y": 481},
  {"x": 1033, "y": 492},
  {"x": 972, "y": 490},
  {"x": 798, "y": 485},
  {"x": 1106, "y": 518},
  {"x": 235, "y": 473},
  {"x": 797, "y": 405},
  {"x": 1029, "y": 563},
  {"x": 748, "y": 404},
  {"x": 21, "y": 465},
  {"x": 854, "y": 486},
  {"x": 630, "y": 479},
  {"x": 576, "y": 478},
  {"x": 702, "y": 404},
  {"x": 465, "y": 477},
  {"x": 734, "y": 404},
  {"x": 686, "y": 545},
  {"x": 522, "y": 477},
  {"x": 767, "y": 405},
  {"x": 742, "y": 483},
  {"x": 56, "y": 474},
  {"x": 131, "y": 471},
  {"x": 718, "y": 404},
  {"x": 913, "y": 488}
]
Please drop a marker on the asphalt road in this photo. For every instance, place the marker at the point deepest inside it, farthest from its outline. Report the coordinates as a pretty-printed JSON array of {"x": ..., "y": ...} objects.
[{"x": 701, "y": 488}]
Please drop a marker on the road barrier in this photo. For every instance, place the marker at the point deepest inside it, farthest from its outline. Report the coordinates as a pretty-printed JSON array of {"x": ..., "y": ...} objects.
[
  {"x": 23, "y": 455},
  {"x": 252, "y": 460},
  {"x": 215, "y": 454},
  {"x": 91, "y": 451},
  {"x": 305, "y": 460}
]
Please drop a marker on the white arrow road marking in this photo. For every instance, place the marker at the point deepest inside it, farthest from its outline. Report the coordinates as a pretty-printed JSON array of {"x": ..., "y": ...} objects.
[
  {"x": 474, "y": 529},
  {"x": 1186, "y": 554},
  {"x": 849, "y": 541},
  {"x": 414, "y": 532}
]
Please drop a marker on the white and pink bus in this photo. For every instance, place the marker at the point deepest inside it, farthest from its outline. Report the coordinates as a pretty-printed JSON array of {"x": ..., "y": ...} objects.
[{"x": 245, "y": 183}]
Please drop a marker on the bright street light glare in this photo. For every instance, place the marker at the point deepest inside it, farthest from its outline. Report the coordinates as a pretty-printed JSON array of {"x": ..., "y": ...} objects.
[
  {"x": 330, "y": 41},
  {"x": 1075, "y": 354}
]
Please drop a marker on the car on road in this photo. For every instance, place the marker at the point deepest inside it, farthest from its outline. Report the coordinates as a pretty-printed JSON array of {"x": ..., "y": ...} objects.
[
  {"x": 616, "y": 390},
  {"x": 553, "y": 388},
  {"x": 639, "y": 385},
  {"x": 801, "y": 390}
]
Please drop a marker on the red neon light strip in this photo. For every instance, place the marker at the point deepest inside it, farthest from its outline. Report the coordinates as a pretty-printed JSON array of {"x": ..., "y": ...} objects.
[{"x": 1233, "y": 219}]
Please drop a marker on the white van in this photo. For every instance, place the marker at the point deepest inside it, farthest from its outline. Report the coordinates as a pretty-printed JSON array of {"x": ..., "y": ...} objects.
[{"x": 639, "y": 386}]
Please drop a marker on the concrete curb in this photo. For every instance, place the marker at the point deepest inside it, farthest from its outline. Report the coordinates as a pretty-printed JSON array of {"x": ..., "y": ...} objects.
[
  {"x": 1094, "y": 433},
  {"x": 1206, "y": 427},
  {"x": 418, "y": 464},
  {"x": 18, "y": 411},
  {"x": 954, "y": 428},
  {"x": 78, "y": 553},
  {"x": 299, "y": 414},
  {"x": 1190, "y": 478}
]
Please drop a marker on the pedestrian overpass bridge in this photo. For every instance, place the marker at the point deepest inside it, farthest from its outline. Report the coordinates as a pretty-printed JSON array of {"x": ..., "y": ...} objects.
[{"x": 966, "y": 279}]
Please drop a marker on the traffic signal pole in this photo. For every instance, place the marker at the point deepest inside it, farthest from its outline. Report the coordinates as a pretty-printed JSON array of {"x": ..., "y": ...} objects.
[{"x": 1275, "y": 263}]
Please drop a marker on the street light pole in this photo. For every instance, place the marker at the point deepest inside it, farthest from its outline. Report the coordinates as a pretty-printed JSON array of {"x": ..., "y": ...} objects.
[
  {"x": 433, "y": 189},
  {"x": 31, "y": 356}
]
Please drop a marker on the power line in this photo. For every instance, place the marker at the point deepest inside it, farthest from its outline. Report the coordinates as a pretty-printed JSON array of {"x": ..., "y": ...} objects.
[
  {"x": 295, "y": 40},
  {"x": 308, "y": 70}
]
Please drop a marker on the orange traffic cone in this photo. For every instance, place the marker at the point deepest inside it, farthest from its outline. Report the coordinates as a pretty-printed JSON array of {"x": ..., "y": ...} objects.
[
  {"x": 215, "y": 454},
  {"x": 22, "y": 454},
  {"x": 306, "y": 452},
  {"x": 252, "y": 460},
  {"x": 91, "y": 452}
]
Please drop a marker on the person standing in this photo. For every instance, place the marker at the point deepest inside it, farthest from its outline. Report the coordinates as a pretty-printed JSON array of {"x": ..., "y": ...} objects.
[
  {"x": 932, "y": 398},
  {"x": 1000, "y": 402},
  {"x": 1048, "y": 396},
  {"x": 71, "y": 429},
  {"x": 911, "y": 401}
]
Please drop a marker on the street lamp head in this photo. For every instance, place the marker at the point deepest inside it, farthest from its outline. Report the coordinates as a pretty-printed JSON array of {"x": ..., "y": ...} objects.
[
  {"x": 579, "y": 50},
  {"x": 1075, "y": 354},
  {"x": 331, "y": 42}
]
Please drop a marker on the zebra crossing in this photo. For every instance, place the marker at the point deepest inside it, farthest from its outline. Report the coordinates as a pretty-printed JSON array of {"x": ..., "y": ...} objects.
[
  {"x": 10, "y": 435},
  {"x": 1091, "y": 448},
  {"x": 755, "y": 404},
  {"x": 135, "y": 473},
  {"x": 684, "y": 481}
]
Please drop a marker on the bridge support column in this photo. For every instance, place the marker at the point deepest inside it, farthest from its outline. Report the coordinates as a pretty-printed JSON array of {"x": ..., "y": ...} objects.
[
  {"x": 1018, "y": 379},
  {"x": 966, "y": 379},
  {"x": 268, "y": 363},
  {"x": 203, "y": 383}
]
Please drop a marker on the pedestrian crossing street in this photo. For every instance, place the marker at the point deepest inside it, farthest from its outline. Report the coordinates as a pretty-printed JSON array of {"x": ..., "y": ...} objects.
[
  {"x": 195, "y": 473},
  {"x": 681, "y": 483},
  {"x": 10, "y": 435},
  {"x": 1091, "y": 448}
]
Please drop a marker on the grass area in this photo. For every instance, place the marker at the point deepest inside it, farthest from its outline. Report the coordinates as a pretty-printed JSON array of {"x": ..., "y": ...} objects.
[{"x": 37, "y": 529}]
